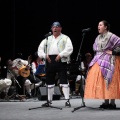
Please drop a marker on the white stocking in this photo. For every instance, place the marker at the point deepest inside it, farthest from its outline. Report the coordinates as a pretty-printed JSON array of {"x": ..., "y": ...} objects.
[
  {"x": 65, "y": 89},
  {"x": 28, "y": 86},
  {"x": 50, "y": 92}
]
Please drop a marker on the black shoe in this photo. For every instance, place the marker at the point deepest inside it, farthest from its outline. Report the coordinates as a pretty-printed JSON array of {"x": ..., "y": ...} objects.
[
  {"x": 67, "y": 104},
  {"x": 104, "y": 106},
  {"x": 111, "y": 106},
  {"x": 46, "y": 104},
  {"x": 28, "y": 96}
]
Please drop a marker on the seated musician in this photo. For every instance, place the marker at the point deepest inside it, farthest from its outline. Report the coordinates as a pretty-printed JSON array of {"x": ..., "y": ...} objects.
[
  {"x": 21, "y": 69},
  {"x": 5, "y": 84},
  {"x": 80, "y": 79},
  {"x": 38, "y": 67}
]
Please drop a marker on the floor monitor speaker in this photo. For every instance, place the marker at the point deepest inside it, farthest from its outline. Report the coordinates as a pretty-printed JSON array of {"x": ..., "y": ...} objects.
[{"x": 42, "y": 93}]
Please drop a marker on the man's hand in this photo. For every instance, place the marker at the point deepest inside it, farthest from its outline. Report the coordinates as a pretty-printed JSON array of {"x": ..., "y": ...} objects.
[
  {"x": 57, "y": 59},
  {"x": 28, "y": 67},
  {"x": 48, "y": 59}
]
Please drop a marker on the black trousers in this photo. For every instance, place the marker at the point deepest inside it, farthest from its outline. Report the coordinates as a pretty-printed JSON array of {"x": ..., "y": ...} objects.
[{"x": 56, "y": 67}]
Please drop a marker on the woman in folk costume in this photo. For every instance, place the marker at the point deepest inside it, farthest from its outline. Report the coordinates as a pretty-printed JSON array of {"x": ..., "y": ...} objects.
[{"x": 103, "y": 77}]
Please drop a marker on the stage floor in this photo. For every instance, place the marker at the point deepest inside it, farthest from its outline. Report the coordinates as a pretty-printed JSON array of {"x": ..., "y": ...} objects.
[{"x": 16, "y": 110}]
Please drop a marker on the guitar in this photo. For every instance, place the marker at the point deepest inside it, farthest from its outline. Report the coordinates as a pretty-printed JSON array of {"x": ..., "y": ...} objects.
[{"x": 24, "y": 71}]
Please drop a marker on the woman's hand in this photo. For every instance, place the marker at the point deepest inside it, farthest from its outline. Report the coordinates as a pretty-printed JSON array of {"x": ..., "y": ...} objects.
[{"x": 109, "y": 52}]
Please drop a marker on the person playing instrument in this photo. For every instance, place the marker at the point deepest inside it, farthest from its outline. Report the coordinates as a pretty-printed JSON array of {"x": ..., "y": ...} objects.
[
  {"x": 56, "y": 49},
  {"x": 36, "y": 62},
  {"x": 20, "y": 69},
  {"x": 103, "y": 78}
]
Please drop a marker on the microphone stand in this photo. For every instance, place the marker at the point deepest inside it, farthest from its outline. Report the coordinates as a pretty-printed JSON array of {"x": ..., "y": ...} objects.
[
  {"x": 81, "y": 81},
  {"x": 47, "y": 102},
  {"x": 16, "y": 94}
]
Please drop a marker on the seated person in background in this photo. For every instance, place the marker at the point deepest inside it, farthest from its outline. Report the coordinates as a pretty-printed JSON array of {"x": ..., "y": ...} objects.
[
  {"x": 83, "y": 71},
  {"x": 79, "y": 81},
  {"x": 36, "y": 61},
  {"x": 21, "y": 70},
  {"x": 4, "y": 87},
  {"x": 72, "y": 72},
  {"x": 5, "y": 84},
  {"x": 85, "y": 63}
]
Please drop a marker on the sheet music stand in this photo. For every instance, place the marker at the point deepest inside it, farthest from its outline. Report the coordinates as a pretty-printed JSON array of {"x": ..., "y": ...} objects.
[{"x": 40, "y": 70}]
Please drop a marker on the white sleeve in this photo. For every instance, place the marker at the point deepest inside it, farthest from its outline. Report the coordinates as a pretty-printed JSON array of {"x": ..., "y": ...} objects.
[
  {"x": 19, "y": 61},
  {"x": 79, "y": 78},
  {"x": 41, "y": 49},
  {"x": 25, "y": 62},
  {"x": 33, "y": 66}
]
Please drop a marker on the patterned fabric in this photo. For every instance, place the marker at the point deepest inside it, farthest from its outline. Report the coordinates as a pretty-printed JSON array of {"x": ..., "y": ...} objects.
[
  {"x": 95, "y": 87},
  {"x": 106, "y": 61}
]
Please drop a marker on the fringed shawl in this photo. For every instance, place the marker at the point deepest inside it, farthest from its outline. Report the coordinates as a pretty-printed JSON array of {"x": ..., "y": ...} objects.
[{"x": 108, "y": 41}]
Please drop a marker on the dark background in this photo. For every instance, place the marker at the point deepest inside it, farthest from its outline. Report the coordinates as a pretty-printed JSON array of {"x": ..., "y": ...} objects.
[{"x": 25, "y": 22}]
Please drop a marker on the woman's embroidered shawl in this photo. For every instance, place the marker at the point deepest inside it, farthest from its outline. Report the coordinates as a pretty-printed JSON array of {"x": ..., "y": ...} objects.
[{"x": 106, "y": 61}]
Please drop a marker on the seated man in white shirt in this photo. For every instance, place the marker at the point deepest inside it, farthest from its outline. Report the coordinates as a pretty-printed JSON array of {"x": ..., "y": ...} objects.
[{"x": 21, "y": 70}]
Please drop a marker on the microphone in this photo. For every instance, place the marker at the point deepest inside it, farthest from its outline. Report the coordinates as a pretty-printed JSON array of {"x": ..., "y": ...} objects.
[
  {"x": 48, "y": 34},
  {"x": 86, "y": 30}
]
